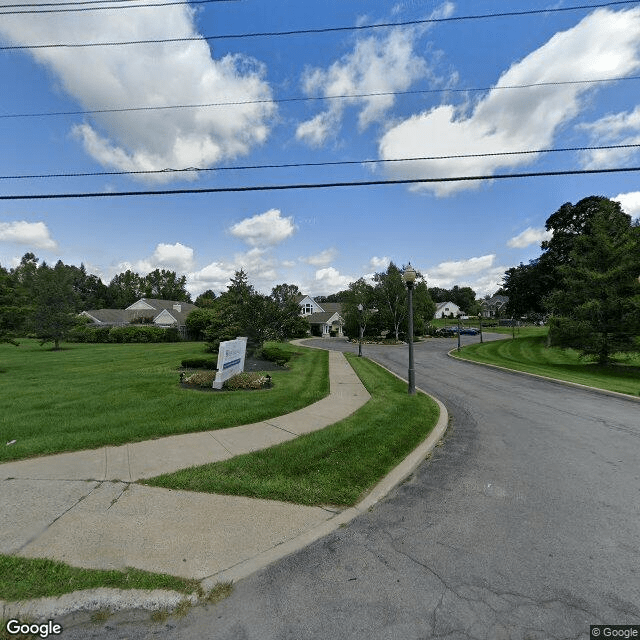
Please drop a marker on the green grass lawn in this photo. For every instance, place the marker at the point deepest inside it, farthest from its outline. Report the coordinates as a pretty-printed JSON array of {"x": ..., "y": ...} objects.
[
  {"x": 333, "y": 466},
  {"x": 90, "y": 395},
  {"x": 530, "y": 354},
  {"x": 26, "y": 578}
]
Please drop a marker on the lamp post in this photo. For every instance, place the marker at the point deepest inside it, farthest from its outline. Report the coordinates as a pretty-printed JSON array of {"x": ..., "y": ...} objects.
[
  {"x": 409, "y": 277},
  {"x": 360, "y": 308}
]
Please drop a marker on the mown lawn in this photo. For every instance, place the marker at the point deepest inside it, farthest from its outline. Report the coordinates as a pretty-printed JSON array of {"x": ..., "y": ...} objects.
[
  {"x": 530, "y": 354},
  {"x": 333, "y": 466},
  {"x": 25, "y": 578},
  {"x": 90, "y": 395}
]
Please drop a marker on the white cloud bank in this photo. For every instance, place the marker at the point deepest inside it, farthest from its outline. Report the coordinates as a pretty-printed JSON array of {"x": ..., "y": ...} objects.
[
  {"x": 322, "y": 258},
  {"x": 528, "y": 237},
  {"x": 481, "y": 274},
  {"x": 32, "y": 234},
  {"x": 630, "y": 203},
  {"x": 604, "y": 44},
  {"x": 151, "y": 75},
  {"x": 268, "y": 228},
  {"x": 377, "y": 64},
  {"x": 614, "y": 129}
]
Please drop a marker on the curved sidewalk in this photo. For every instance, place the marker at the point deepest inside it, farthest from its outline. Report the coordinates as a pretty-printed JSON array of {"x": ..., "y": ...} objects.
[{"x": 84, "y": 508}]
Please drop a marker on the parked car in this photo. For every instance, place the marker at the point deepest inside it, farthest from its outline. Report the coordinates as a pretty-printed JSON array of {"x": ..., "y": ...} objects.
[{"x": 469, "y": 331}]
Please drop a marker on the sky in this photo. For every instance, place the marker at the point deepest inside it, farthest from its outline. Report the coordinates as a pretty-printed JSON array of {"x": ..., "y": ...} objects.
[{"x": 445, "y": 87}]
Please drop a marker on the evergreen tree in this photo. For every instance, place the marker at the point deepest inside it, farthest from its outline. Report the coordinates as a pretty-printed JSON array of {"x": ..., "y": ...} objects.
[
  {"x": 54, "y": 313},
  {"x": 599, "y": 294}
]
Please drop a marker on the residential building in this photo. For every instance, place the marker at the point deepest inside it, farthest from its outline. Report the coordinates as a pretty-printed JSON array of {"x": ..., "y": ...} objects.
[
  {"x": 447, "y": 310},
  {"x": 162, "y": 313},
  {"x": 324, "y": 317}
]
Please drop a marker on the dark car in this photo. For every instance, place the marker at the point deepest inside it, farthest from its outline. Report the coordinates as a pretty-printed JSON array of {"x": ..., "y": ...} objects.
[{"x": 469, "y": 331}]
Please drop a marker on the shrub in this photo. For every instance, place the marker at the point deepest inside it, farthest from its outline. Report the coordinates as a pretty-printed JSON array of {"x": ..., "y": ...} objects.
[
  {"x": 199, "y": 363},
  {"x": 199, "y": 379},
  {"x": 246, "y": 380},
  {"x": 276, "y": 354},
  {"x": 134, "y": 333}
]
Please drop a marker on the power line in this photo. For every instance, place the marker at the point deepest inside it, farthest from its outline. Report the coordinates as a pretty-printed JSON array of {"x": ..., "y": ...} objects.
[
  {"x": 307, "y": 99},
  {"x": 335, "y": 163},
  {"x": 322, "y": 185},
  {"x": 381, "y": 25},
  {"x": 105, "y": 7}
]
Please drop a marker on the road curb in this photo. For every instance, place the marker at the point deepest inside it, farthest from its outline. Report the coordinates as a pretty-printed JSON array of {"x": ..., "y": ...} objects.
[
  {"x": 566, "y": 383},
  {"x": 118, "y": 599}
]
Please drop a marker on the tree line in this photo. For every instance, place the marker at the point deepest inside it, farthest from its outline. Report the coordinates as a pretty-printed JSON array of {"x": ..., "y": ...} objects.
[
  {"x": 44, "y": 300},
  {"x": 586, "y": 281}
]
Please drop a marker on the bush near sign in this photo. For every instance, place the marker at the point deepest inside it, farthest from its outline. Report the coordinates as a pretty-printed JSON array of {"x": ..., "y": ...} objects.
[{"x": 230, "y": 360}]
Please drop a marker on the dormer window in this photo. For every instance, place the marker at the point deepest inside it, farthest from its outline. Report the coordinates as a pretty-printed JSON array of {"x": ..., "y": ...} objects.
[{"x": 307, "y": 309}]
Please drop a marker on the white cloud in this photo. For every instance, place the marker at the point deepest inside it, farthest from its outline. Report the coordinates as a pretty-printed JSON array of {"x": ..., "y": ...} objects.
[
  {"x": 33, "y": 234},
  {"x": 268, "y": 228},
  {"x": 215, "y": 276},
  {"x": 322, "y": 258},
  {"x": 481, "y": 274},
  {"x": 630, "y": 203},
  {"x": 330, "y": 280},
  {"x": 377, "y": 64},
  {"x": 152, "y": 75},
  {"x": 379, "y": 264},
  {"x": 529, "y": 236},
  {"x": 605, "y": 43},
  {"x": 175, "y": 256},
  {"x": 619, "y": 129}
]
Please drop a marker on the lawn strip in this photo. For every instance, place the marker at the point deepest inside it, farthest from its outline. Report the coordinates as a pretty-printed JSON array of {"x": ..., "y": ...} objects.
[
  {"x": 91, "y": 395},
  {"x": 333, "y": 466},
  {"x": 530, "y": 354},
  {"x": 27, "y": 578}
]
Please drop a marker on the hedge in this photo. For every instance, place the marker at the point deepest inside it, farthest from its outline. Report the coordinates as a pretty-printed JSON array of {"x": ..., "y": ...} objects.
[{"x": 131, "y": 333}]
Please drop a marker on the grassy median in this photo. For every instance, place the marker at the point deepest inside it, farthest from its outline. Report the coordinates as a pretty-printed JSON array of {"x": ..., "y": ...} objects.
[
  {"x": 26, "y": 578},
  {"x": 90, "y": 395},
  {"x": 531, "y": 355},
  {"x": 333, "y": 466}
]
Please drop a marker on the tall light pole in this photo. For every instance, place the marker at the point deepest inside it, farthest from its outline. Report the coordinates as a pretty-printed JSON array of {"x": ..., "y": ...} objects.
[
  {"x": 409, "y": 277},
  {"x": 360, "y": 308}
]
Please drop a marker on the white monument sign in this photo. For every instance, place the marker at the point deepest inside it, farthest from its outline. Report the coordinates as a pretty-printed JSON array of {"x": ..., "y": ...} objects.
[{"x": 230, "y": 360}]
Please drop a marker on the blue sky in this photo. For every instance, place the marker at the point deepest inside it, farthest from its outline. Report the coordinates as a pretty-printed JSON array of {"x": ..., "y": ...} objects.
[{"x": 455, "y": 233}]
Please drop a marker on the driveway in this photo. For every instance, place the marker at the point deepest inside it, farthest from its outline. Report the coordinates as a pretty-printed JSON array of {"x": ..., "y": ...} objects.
[{"x": 524, "y": 524}]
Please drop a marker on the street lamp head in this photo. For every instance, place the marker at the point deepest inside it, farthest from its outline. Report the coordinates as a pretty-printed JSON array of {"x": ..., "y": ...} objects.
[{"x": 409, "y": 275}]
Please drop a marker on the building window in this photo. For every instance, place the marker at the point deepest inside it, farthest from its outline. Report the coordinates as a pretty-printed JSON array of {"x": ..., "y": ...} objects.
[{"x": 307, "y": 310}]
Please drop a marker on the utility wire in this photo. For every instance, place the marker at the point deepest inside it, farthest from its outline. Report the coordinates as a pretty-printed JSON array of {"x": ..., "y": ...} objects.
[
  {"x": 322, "y": 185},
  {"x": 381, "y": 25},
  {"x": 306, "y": 99},
  {"x": 335, "y": 163},
  {"x": 105, "y": 7}
]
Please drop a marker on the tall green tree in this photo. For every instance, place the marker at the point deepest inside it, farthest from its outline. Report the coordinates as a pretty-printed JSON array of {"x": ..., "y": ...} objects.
[
  {"x": 206, "y": 300},
  {"x": 360, "y": 293},
  {"x": 165, "y": 285},
  {"x": 391, "y": 297},
  {"x": 124, "y": 289},
  {"x": 54, "y": 315},
  {"x": 599, "y": 294},
  {"x": 12, "y": 312}
]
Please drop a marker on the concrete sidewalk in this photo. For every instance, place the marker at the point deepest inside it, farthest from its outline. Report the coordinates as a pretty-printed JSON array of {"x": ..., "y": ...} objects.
[{"x": 84, "y": 509}]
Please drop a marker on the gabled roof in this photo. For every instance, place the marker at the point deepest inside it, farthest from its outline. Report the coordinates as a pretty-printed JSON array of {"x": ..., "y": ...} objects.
[
  {"x": 496, "y": 300},
  {"x": 336, "y": 307},
  {"x": 107, "y": 316},
  {"x": 322, "y": 317},
  {"x": 440, "y": 305},
  {"x": 164, "y": 305}
]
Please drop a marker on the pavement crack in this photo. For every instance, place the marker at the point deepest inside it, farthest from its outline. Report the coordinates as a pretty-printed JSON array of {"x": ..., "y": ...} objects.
[
  {"x": 73, "y": 506},
  {"x": 275, "y": 426},
  {"x": 231, "y": 454}
]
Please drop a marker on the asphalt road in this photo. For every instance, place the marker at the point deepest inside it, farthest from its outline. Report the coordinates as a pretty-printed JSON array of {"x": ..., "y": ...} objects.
[{"x": 525, "y": 524}]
